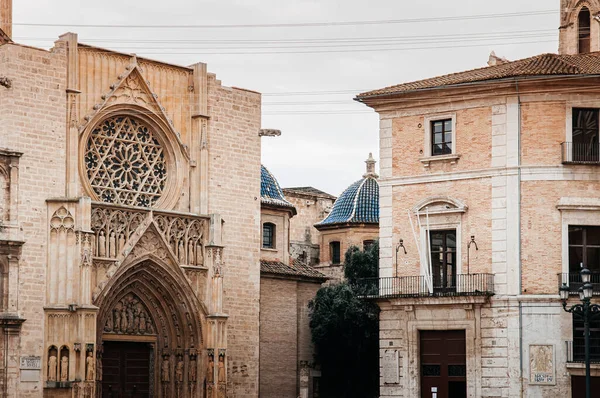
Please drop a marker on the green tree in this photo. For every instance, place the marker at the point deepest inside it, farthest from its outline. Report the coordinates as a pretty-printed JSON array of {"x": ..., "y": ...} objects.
[{"x": 345, "y": 330}]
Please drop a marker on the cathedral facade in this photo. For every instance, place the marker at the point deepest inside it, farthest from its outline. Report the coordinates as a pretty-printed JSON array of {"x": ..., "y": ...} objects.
[{"x": 130, "y": 226}]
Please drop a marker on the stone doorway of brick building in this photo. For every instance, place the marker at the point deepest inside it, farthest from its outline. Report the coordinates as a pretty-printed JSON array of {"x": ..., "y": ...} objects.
[
  {"x": 128, "y": 369},
  {"x": 443, "y": 364}
]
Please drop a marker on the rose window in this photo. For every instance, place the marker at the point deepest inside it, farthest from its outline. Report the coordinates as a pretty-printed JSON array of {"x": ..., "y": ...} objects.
[{"x": 125, "y": 163}]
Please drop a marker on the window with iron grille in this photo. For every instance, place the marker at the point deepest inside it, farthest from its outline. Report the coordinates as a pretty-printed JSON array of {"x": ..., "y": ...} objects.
[{"x": 579, "y": 340}]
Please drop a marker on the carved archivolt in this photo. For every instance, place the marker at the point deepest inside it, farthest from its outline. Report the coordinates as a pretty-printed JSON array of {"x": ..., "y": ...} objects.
[
  {"x": 129, "y": 316},
  {"x": 125, "y": 163}
]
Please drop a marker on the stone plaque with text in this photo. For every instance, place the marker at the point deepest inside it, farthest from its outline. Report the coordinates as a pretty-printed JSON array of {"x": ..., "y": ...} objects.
[
  {"x": 390, "y": 367},
  {"x": 31, "y": 363},
  {"x": 541, "y": 365}
]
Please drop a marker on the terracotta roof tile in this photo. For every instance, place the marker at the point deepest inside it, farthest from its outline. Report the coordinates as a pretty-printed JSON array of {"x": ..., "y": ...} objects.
[
  {"x": 297, "y": 269},
  {"x": 540, "y": 65}
]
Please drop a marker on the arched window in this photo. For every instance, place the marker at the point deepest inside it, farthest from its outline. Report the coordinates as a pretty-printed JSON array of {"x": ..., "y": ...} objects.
[
  {"x": 268, "y": 236},
  {"x": 334, "y": 252},
  {"x": 583, "y": 26}
]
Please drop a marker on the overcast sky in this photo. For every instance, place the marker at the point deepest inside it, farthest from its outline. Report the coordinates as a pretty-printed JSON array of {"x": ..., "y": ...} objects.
[{"x": 326, "y": 135}]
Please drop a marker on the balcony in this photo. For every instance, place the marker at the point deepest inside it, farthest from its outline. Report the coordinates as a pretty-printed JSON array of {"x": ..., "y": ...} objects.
[
  {"x": 577, "y": 153},
  {"x": 416, "y": 286},
  {"x": 573, "y": 281},
  {"x": 576, "y": 350}
]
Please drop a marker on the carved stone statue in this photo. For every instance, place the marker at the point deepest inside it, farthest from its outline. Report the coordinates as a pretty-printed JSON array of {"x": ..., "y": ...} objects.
[
  {"x": 164, "y": 373},
  {"x": 102, "y": 244},
  {"x": 52, "y": 368},
  {"x": 109, "y": 326},
  {"x": 112, "y": 245},
  {"x": 221, "y": 369},
  {"x": 199, "y": 256},
  {"x": 98, "y": 368},
  {"x": 117, "y": 316},
  {"x": 192, "y": 370},
  {"x": 123, "y": 320},
  {"x": 181, "y": 252},
  {"x": 142, "y": 322},
  {"x": 179, "y": 371},
  {"x": 191, "y": 258},
  {"x": 64, "y": 368},
  {"x": 121, "y": 241},
  {"x": 90, "y": 363},
  {"x": 210, "y": 371}
]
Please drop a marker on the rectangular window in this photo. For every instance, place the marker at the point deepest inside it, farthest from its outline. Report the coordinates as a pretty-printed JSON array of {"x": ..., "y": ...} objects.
[
  {"x": 443, "y": 259},
  {"x": 268, "y": 236},
  {"x": 584, "y": 249},
  {"x": 367, "y": 244},
  {"x": 585, "y": 145},
  {"x": 334, "y": 249},
  {"x": 579, "y": 340},
  {"x": 441, "y": 137}
]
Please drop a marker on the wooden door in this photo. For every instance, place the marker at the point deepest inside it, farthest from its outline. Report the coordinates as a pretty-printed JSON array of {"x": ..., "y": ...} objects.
[
  {"x": 443, "y": 364},
  {"x": 126, "y": 370}
]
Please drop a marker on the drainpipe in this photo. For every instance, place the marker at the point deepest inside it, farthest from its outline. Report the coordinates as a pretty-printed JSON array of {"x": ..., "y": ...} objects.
[{"x": 519, "y": 235}]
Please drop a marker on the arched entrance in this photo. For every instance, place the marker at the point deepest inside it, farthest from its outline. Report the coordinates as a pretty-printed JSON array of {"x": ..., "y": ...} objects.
[{"x": 149, "y": 333}]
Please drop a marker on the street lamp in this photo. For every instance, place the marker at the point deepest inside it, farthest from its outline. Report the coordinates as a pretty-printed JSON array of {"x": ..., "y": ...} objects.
[{"x": 585, "y": 311}]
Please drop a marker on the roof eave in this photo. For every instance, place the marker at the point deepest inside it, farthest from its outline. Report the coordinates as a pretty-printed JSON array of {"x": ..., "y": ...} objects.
[{"x": 346, "y": 224}]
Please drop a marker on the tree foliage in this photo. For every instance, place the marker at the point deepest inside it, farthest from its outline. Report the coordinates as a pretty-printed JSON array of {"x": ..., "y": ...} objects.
[{"x": 345, "y": 331}]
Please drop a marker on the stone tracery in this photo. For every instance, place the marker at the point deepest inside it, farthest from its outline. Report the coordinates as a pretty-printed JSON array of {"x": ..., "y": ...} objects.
[{"x": 125, "y": 163}]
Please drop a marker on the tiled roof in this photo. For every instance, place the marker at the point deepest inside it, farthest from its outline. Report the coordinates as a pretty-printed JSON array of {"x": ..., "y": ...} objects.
[
  {"x": 297, "y": 269},
  {"x": 309, "y": 191},
  {"x": 270, "y": 191},
  {"x": 540, "y": 65},
  {"x": 359, "y": 204}
]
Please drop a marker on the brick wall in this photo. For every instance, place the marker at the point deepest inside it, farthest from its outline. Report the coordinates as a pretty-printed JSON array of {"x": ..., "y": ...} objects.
[
  {"x": 278, "y": 338},
  {"x": 234, "y": 192},
  {"x": 32, "y": 121}
]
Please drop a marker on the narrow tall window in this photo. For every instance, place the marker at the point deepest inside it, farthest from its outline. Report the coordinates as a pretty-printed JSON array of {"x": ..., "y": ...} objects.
[
  {"x": 334, "y": 250},
  {"x": 441, "y": 137},
  {"x": 584, "y": 23},
  {"x": 585, "y": 135},
  {"x": 268, "y": 236},
  {"x": 443, "y": 259}
]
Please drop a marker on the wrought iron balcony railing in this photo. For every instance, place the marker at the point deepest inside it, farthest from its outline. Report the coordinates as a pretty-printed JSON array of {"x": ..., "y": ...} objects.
[
  {"x": 417, "y": 286},
  {"x": 573, "y": 281},
  {"x": 576, "y": 350},
  {"x": 576, "y": 153}
]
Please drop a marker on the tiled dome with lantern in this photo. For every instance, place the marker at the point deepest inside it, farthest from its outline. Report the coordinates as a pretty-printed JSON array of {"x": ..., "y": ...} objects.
[
  {"x": 359, "y": 203},
  {"x": 271, "y": 193}
]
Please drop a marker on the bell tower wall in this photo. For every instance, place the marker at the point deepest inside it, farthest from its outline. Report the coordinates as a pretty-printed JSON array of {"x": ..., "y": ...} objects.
[{"x": 578, "y": 32}]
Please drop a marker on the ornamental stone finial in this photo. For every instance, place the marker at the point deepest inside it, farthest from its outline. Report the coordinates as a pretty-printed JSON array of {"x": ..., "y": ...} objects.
[{"x": 370, "y": 167}]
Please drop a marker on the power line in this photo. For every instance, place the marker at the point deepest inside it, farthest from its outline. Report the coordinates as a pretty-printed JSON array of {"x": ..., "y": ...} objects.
[{"x": 302, "y": 24}]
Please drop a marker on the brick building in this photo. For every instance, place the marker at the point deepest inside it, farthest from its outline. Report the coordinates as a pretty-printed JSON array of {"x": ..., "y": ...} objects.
[
  {"x": 286, "y": 286},
  {"x": 489, "y": 201},
  {"x": 130, "y": 238}
]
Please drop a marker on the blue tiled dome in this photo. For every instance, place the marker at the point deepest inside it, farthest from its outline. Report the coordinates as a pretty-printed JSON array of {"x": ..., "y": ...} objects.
[
  {"x": 358, "y": 204},
  {"x": 270, "y": 191}
]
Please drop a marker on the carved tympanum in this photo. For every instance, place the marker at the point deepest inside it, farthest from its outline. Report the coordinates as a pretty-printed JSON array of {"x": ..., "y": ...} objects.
[
  {"x": 125, "y": 163},
  {"x": 129, "y": 316}
]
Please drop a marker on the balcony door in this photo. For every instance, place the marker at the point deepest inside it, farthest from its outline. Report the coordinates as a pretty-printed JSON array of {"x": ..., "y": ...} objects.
[
  {"x": 585, "y": 146},
  {"x": 443, "y": 260}
]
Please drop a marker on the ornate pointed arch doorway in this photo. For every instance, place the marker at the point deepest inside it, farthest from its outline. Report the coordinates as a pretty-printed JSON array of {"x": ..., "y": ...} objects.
[{"x": 149, "y": 333}]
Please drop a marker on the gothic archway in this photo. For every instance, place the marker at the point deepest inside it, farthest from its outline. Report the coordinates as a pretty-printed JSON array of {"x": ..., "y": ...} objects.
[{"x": 150, "y": 302}]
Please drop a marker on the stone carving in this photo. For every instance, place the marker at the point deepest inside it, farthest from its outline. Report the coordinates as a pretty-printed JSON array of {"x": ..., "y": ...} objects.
[
  {"x": 125, "y": 163},
  {"x": 64, "y": 368},
  {"x": 541, "y": 364},
  {"x": 165, "y": 370},
  {"x": 184, "y": 235},
  {"x": 149, "y": 243},
  {"x": 129, "y": 316},
  {"x": 90, "y": 364},
  {"x": 130, "y": 91},
  {"x": 221, "y": 373},
  {"x": 179, "y": 370},
  {"x": 108, "y": 224},
  {"x": 52, "y": 366},
  {"x": 62, "y": 220},
  {"x": 210, "y": 370},
  {"x": 192, "y": 369}
]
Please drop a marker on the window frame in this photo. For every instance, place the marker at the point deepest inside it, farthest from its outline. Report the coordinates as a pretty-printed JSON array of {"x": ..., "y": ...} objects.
[
  {"x": 581, "y": 37},
  {"x": 339, "y": 252},
  {"x": 367, "y": 243},
  {"x": 428, "y": 156},
  {"x": 584, "y": 247},
  {"x": 273, "y": 229}
]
